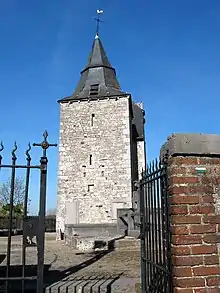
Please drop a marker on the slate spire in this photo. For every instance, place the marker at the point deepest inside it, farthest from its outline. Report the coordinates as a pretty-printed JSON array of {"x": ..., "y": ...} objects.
[
  {"x": 98, "y": 57},
  {"x": 98, "y": 78}
]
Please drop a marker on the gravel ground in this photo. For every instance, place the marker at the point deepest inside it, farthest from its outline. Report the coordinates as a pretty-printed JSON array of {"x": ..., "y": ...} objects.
[{"x": 115, "y": 271}]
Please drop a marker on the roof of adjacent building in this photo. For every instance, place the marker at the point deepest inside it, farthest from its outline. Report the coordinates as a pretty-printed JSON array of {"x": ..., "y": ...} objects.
[
  {"x": 98, "y": 78},
  {"x": 138, "y": 121}
]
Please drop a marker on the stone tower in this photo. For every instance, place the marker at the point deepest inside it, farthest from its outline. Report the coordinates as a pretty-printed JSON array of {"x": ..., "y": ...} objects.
[{"x": 101, "y": 148}]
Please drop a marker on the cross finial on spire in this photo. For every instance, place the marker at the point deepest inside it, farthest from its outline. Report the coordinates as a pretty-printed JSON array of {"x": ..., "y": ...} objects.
[{"x": 99, "y": 12}]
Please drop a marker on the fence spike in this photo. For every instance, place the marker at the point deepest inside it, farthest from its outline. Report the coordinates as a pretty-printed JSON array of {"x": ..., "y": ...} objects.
[
  {"x": 14, "y": 150},
  {"x": 1, "y": 149},
  {"x": 147, "y": 169},
  {"x": 1, "y": 146},
  {"x": 27, "y": 151},
  {"x": 153, "y": 166},
  {"x": 45, "y": 135},
  {"x": 150, "y": 167},
  {"x": 156, "y": 162}
]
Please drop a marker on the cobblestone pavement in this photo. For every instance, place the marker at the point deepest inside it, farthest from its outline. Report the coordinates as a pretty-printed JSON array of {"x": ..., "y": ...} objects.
[{"x": 115, "y": 271}]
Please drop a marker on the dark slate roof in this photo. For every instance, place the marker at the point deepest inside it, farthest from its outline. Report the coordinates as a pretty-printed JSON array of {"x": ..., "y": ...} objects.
[
  {"x": 97, "y": 71},
  {"x": 138, "y": 121},
  {"x": 97, "y": 56}
]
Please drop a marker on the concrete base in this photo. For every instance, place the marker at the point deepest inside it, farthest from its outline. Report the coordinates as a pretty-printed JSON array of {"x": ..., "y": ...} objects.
[
  {"x": 86, "y": 237},
  {"x": 91, "y": 230},
  {"x": 134, "y": 233},
  {"x": 92, "y": 243},
  {"x": 109, "y": 243},
  {"x": 191, "y": 144},
  {"x": 91, "y": 236},
  {"x": 127, "y": 243}
]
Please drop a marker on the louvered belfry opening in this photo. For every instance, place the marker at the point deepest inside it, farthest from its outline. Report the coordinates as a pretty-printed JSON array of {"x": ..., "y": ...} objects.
[{"x": 94, "y": 90}]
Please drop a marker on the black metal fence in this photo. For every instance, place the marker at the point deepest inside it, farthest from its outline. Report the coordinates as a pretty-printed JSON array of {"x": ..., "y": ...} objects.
[
  {"x": 17, "y": 224},
  {"x": 33, "y": 229},
  {"x": 156, "y": 267}
]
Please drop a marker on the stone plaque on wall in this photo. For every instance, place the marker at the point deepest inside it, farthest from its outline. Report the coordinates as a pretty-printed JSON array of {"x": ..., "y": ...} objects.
[{"x": 72, "y": 212}]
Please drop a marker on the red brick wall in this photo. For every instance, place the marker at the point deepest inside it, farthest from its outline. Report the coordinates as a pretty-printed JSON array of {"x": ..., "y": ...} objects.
[{"x": 195, "y": 223}]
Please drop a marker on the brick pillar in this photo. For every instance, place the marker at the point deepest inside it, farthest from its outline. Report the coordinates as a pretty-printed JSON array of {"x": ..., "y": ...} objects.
[{"x": 195, "y": 212}]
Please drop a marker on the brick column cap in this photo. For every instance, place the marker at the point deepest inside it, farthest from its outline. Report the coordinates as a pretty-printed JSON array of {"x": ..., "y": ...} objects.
[{"x": 198, "y": 144}]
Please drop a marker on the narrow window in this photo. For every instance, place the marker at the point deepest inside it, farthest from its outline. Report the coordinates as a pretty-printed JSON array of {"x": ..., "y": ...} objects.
[
  {"x": 84, "y": 170},
  {"x": 90, "y": 187},
  {"x": 102, "y": 170},
  {"x": 90, "y": 159},
  {"x": 94, "y": 90},
  {"x": 92, "y": 120}
]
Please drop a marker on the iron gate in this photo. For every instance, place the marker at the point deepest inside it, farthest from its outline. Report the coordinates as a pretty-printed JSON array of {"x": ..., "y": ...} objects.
[
  {"x": 15, "y": 278},
  {"x": 155, "y": 233}
]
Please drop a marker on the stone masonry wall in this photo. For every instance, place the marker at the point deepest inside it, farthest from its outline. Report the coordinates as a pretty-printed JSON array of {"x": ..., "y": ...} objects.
[
  {"x": 94, "y": 160},
  {"x": 195, "y": 221}
]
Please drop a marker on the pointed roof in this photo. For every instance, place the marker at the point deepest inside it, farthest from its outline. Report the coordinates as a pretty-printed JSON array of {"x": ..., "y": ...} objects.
[
  {"x": 97, "y": 56},
  {"x": 98, "y": 79}
]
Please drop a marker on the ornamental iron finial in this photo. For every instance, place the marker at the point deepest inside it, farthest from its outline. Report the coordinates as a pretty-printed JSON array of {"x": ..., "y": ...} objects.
[
  {"x": 44, "y": 144},
  {"x": 98, "y": 20}
]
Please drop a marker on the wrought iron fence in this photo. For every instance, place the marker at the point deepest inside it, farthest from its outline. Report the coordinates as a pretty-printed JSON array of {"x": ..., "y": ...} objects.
[
  {"x": 156, "y": 267},
  {"x": 33, "y": 229},
  {"x": 17, "y": 224}
]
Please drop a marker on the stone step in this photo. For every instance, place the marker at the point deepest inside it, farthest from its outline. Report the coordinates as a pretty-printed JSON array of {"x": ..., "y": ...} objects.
[{"x": 127, "y": 243}]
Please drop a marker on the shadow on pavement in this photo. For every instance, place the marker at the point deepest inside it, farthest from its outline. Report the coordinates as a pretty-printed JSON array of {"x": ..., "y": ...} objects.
[{"x": 59, "y": 280}]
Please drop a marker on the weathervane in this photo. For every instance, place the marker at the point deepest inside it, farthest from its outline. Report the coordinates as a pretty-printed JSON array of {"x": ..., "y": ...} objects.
[{"x": 98, "y": 20}]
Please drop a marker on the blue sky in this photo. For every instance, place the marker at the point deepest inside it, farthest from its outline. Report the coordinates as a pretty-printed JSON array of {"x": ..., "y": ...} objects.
[{"x": 166, "y": 54}]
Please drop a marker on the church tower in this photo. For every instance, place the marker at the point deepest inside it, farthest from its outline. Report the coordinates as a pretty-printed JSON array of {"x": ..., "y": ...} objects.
[{"x": 101, "y": 148}]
